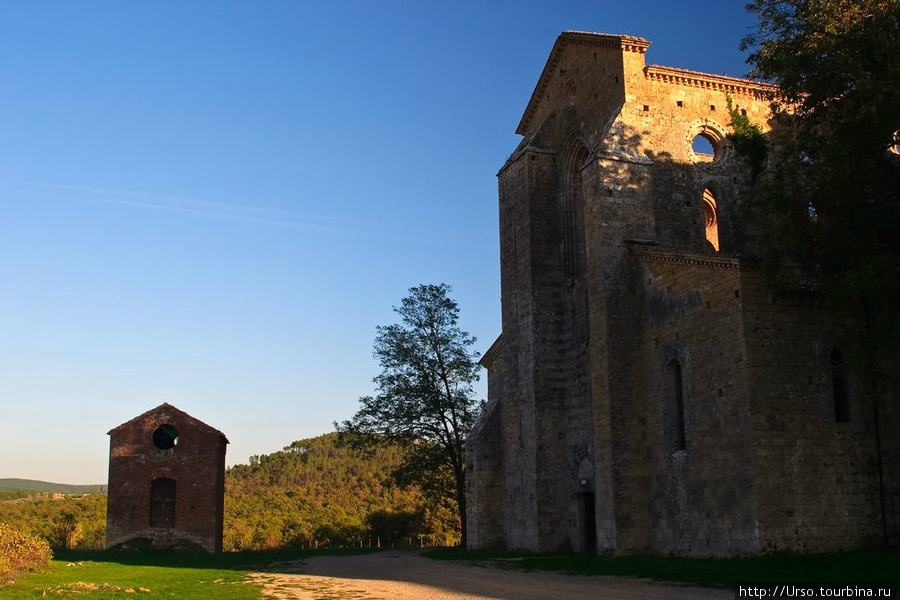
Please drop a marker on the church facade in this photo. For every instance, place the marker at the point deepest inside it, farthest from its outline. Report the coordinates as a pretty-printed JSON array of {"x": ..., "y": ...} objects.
[{"x": 649, "y": 392}]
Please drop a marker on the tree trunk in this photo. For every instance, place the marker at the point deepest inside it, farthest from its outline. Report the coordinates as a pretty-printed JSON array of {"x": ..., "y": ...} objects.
[{"x": 461, "y": 503}]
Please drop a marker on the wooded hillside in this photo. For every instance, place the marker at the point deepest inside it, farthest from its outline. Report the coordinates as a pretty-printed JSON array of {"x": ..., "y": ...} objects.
[
  {"x": 62, "y": 521},
  {"x": 311, "y": 494},
  {"x": 314, "y": 493}
]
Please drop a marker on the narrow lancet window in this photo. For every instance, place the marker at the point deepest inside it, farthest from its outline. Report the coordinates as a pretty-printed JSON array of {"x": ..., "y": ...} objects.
[
  {"x": 572, "y": 213},
  {"x": 676, "y": 406},
  {"x": 711, "y": 217},
  {"x": 840, "y": 387}
]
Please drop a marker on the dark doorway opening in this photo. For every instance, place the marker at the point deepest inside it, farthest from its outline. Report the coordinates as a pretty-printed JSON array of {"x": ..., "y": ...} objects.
[
  {"x": 587, "y": 516},
  {"x": 162, "y": 503}
]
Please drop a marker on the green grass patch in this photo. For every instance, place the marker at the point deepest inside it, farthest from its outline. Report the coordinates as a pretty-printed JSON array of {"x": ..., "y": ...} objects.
[
  {"x": 856, "y": 566},
  {"x": 153, "y": 574}
]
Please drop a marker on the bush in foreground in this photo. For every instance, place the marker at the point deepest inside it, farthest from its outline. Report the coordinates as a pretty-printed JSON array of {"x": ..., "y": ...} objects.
[{"x": 20, "y": 552}]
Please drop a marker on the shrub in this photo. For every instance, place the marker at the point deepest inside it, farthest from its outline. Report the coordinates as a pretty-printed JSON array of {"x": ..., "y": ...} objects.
[{"x": 20, "y": 552}]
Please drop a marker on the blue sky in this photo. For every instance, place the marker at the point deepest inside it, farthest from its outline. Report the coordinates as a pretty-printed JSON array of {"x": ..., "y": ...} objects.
[{"x": 214, "y": 204}]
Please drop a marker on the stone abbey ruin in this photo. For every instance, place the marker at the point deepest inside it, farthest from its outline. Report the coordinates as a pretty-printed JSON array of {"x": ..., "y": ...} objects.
[
  {"x": 649, "y": 392},
  {"x": 166, "y": 482}
]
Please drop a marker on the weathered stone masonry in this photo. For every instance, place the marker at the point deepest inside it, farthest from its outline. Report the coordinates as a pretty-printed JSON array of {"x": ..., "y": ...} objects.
[
  {"x": 166, "y": 481},
  {"x": 648, "y": 392}
]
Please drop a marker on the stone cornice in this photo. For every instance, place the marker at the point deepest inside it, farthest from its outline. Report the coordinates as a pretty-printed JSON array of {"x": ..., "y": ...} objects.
[
  {"x": 492, "y": 353},
  {"x": 803, "y": 294},
  {"x": 629, "y": 43},
  {"x": 690, "y": 258},
  {"x": 722, "y": 83},
  {"x": 626, "y": 43}
]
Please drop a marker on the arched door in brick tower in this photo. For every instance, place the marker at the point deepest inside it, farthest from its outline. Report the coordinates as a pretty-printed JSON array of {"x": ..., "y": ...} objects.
[{"x": 162, "y": 503}]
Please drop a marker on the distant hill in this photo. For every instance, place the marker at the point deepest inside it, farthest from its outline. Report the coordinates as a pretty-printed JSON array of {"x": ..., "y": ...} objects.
[{"x": 30, "y": 485}]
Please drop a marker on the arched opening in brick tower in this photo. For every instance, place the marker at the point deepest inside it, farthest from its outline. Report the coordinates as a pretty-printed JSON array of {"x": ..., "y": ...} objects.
[
  {"x": 162, "y": 503},
  {"x": 165, "y": 437},
  {"x": 711, "y": 219}
]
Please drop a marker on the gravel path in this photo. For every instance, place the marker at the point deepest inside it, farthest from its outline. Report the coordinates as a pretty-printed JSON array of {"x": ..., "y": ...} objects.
[{"x": 403, "y": 575}]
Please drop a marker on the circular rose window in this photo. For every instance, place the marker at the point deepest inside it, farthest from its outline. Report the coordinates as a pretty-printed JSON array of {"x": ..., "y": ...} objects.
[{"x": 707, "y": 144}]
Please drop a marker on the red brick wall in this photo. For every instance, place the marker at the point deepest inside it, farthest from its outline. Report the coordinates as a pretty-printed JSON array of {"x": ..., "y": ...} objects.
[{"x": 196, "y": 463}]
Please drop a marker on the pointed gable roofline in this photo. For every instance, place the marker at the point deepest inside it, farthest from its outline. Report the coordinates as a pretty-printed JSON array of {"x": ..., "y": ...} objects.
[
  {"x": 165, "y": 407},
  {"x": 626, "y": 43}
]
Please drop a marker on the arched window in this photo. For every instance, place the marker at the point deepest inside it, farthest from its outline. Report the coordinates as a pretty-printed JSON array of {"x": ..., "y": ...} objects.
[
  {"x": 711, "y": 218},
  {"x": 840, "y": 387},
  {"x": 162, "y": 503},
  {"x": 675, "y": 407},
  {"x": 571, "y": 92},
  {"x": 572, "y": 212},
  {"x": 571, "y": 205}
]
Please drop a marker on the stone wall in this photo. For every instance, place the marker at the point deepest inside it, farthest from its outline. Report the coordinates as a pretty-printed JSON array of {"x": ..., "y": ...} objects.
[
  {"x": 817, "y": 479},
  {"x": 700, "y": 497}
]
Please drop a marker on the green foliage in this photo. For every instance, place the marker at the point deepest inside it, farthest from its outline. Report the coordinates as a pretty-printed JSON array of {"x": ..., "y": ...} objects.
[
  {"x": 747, "y": 138},
  {"x": 830, "y": 201},
  {"x": 831, "y": 59},
  {"x": 20, "y": 552},
  {"x": 425, "y": 397},
  {"x": 66, "y": 522},
  {"x": 314, "y": 494}
]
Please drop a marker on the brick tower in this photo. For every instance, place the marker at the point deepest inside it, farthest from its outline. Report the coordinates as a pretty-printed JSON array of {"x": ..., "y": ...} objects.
[{"x": 166, "y": 481}]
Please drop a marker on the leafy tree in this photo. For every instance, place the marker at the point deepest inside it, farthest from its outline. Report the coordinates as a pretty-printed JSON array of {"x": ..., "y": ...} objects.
[
  {"x": 830, "y": 200},
  {"x": 828, "y": 206},
  {"x": 425, "y": 398}
]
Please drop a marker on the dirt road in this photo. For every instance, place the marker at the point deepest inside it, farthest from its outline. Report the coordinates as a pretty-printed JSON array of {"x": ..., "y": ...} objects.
[{"x": 407, "y": 576}]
